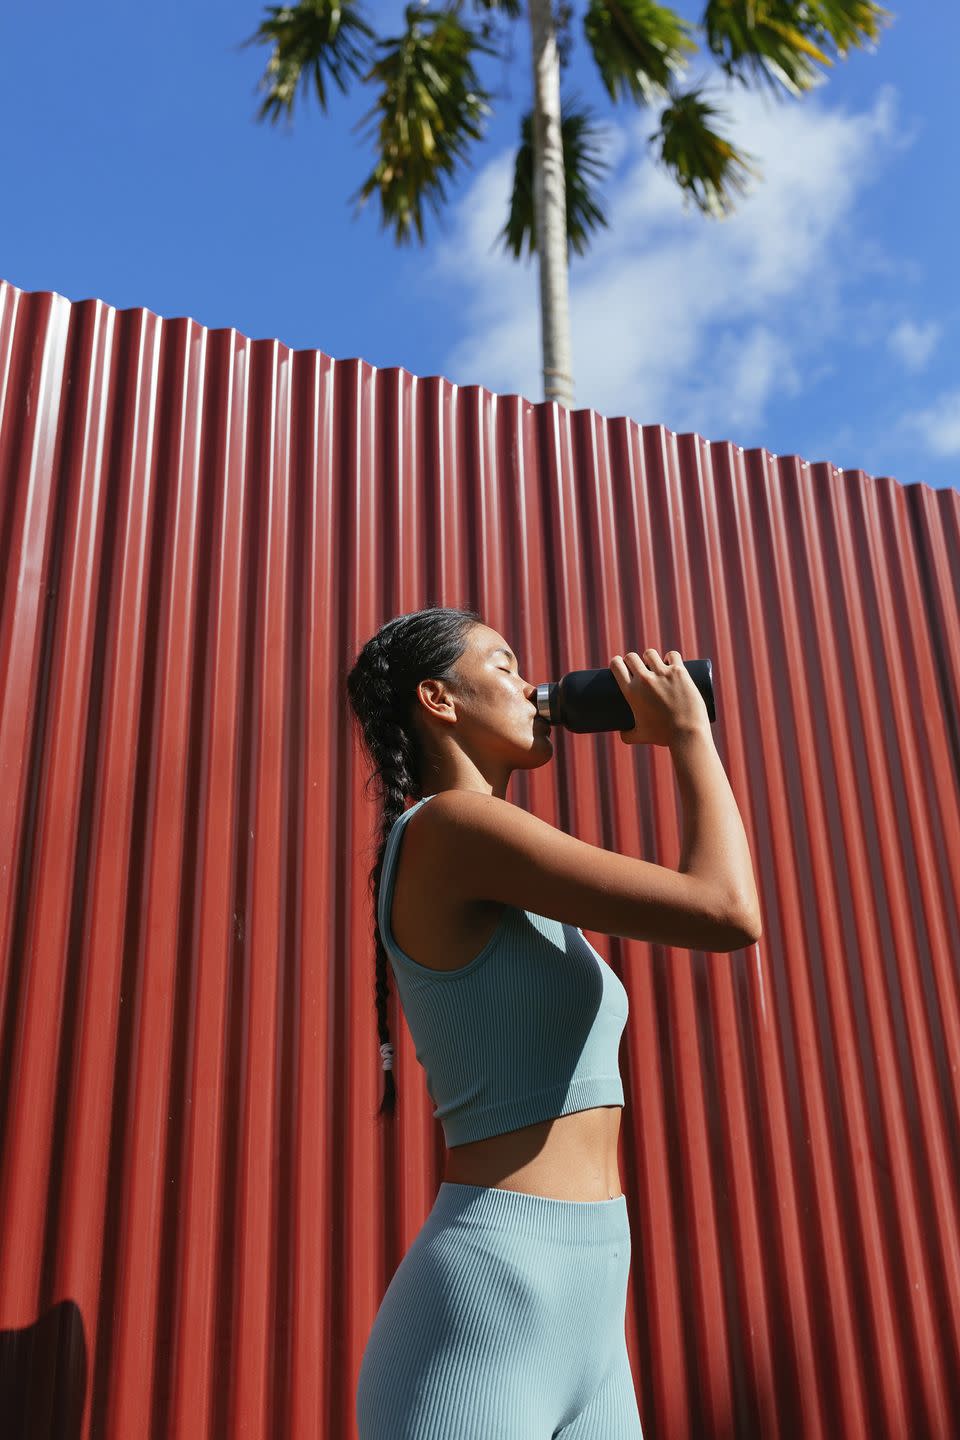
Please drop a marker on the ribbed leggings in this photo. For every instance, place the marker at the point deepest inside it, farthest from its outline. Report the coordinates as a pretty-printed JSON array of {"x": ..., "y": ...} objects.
[{"x": 504, "y": 1321}]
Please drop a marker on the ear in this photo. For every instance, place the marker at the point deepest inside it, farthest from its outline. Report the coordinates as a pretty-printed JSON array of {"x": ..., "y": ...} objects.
[{"x": 435, "y": 699}]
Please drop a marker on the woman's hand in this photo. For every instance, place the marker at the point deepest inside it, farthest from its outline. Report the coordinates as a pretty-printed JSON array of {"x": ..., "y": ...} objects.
[{"x": 664, "y": 700}]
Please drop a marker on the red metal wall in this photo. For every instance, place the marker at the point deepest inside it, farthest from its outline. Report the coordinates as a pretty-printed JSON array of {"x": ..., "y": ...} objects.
[{"x": 199, "y": 1209}]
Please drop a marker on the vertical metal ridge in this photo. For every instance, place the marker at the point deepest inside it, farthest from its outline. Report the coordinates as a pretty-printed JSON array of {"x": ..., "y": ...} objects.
[{"x": 199, "y": 1206}]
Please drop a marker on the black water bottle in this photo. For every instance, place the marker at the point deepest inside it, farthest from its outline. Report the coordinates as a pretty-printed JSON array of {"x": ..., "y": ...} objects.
[{"x": 588, "y": 701}]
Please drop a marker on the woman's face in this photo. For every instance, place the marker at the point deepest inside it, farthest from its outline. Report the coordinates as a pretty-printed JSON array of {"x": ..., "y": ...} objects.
[
  {"x": 486, "y": 724},
  {"x": 504, "y": 704}
]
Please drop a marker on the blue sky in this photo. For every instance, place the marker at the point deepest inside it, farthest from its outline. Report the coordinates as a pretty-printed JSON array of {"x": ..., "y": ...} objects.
[{"x": 821, "y": 320}]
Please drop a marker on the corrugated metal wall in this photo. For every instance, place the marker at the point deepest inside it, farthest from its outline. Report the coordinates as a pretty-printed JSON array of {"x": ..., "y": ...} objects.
[{"x": 199, "y": 1209}]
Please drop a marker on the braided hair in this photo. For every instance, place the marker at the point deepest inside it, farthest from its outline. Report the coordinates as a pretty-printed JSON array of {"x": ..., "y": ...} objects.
[{"x": 382, "y": 686}]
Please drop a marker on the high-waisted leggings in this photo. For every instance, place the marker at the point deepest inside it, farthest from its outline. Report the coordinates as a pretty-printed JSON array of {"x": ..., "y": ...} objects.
[{"x": 505, "y": 1320}]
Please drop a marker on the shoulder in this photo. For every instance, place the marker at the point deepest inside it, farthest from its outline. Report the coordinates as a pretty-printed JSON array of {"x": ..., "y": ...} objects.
[
  {"x": 447, "y": 829},
  {"x": 450, "y": 813}
]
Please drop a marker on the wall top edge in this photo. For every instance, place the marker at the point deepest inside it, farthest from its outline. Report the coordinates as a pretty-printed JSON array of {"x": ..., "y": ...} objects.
[{"x": 474, "y": 389}]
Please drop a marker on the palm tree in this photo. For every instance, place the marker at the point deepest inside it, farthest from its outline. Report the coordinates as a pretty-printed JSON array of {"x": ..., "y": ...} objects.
[{"x": 431, "y": 105}]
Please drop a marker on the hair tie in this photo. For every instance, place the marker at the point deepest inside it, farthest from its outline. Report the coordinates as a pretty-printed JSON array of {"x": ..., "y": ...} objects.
[{"x": 386, "y": 1054}]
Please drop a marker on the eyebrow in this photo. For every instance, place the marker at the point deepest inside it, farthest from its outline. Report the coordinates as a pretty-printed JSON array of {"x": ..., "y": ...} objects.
[{"x": 502, "y": 650}]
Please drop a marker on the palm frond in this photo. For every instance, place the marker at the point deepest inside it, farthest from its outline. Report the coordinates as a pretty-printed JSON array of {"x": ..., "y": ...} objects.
[
  {"x": 511, "y": 8},
  {"x": 781, "y": 42},
  {"x": 849, "y": 22},
  {"x": 706, "y": 166},
  {"x": 309, "y": 38},
  {"x": 431, "y": 104},
  {"x": 639, "y": 46},
  {"x": 582, "y": 163}
]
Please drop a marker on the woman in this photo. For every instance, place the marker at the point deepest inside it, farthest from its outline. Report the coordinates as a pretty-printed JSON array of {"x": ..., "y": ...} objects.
[{"x": 505, "y": 1320}]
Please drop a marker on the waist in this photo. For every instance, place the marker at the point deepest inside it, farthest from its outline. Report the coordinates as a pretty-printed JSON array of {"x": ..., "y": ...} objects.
[
  {"x": 509, "y": 1214},
  {"x": 571, "y": 1157}
]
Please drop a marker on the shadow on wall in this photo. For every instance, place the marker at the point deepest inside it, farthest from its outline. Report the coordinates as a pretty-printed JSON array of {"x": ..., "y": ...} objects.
[{"x": 43, "y": 1376}]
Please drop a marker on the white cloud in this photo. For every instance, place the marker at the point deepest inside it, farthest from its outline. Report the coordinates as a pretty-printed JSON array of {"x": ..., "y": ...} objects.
[
  {"x": 745, "y": 368},
  {"x": 939, "y": 425},
  {"x": 676, "y": 318},
  {"x": 913, "y": 344}
]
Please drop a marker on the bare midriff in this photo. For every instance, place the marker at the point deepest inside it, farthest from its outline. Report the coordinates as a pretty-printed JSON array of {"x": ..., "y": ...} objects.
[
  {"x": 573, "y": 1157},
  {"x": 570, "y": 1157}
]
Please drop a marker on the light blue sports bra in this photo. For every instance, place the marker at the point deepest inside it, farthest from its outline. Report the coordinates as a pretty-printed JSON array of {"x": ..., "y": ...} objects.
[{"x": 528, "y": 1030}]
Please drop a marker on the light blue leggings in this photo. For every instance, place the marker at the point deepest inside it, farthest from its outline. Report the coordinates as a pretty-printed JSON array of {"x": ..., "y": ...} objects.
[{"x": 504, "y": 1321}]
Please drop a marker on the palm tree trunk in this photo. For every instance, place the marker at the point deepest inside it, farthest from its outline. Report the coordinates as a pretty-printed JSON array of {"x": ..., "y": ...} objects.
[{"x": 550, "y": 207}]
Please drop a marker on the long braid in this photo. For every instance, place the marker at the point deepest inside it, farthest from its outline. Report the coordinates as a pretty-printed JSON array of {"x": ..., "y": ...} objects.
[
  {"x": 381, "y": 687},
  {"x": 395, "y": 761}
]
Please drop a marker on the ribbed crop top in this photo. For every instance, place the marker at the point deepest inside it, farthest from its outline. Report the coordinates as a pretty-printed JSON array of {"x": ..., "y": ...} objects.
[{"x": 527, "y": 1030}]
